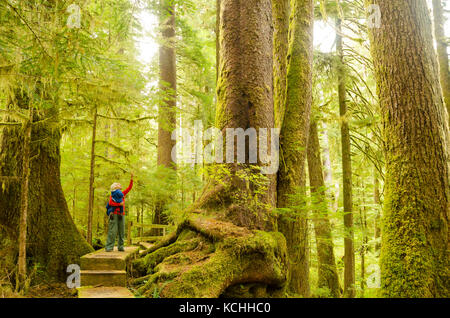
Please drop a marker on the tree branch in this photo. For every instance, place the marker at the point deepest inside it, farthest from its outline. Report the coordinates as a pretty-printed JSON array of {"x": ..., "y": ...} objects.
[
  {"x": 126, "y": 119},
  {"x": 29, "y": 27}
]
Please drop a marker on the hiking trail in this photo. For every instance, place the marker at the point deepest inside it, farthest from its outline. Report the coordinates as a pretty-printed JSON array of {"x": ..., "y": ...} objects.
[{"x": 104, "y": 274}]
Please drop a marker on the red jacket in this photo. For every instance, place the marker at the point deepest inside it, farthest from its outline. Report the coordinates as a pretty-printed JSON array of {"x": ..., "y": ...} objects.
[{"x": 125, "y": 192}]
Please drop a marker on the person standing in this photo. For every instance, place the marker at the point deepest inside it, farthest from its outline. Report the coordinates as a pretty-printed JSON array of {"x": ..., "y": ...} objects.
[{"x": 116, "y": 225}]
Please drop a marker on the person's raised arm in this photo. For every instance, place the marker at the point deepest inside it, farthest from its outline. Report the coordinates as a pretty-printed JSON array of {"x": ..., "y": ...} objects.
[{"x": 130, "y": 186}]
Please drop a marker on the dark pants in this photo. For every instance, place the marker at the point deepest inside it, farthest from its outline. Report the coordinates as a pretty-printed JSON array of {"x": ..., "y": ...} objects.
[{"x": 115, "y": 227}]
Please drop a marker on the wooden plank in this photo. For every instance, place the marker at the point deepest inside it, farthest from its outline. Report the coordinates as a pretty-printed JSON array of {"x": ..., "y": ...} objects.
[
  {"x": 151, "y": 226},
  {"x": 145, "y": 239},
  {"x": 104, "y": 292}
]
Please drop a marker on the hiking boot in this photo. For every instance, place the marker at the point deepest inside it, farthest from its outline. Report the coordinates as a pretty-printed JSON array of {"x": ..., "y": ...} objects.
[{"x": 121, "y": 250}]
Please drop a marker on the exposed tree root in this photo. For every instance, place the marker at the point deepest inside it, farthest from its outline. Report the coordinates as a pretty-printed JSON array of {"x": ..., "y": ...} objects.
[{"x": 206, "y": 257}]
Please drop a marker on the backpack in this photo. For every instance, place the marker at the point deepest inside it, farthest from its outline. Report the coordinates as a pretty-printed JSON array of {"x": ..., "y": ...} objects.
[{"x": 109, "y": 208}]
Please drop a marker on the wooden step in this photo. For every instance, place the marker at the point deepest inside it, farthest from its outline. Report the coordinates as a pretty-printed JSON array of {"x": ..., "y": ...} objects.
[
  {"x": 107, "y": 278},
  {"x": 104, "y": 292},
  {"x": 102, "y": 260},
  {"x": 102, "y": 264}
]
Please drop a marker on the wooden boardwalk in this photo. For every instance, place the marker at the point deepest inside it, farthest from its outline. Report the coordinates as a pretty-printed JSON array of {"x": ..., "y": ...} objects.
[{"x": 104, "y": 274}]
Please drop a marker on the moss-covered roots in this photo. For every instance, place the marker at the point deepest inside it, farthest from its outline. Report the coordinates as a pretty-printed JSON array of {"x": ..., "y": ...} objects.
[{"x": 209, "y": 258}]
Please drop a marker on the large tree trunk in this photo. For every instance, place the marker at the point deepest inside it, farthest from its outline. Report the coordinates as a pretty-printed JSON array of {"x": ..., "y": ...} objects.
[
  {"x": 168, "y": 88},
  {"x": 294, "y": 139},
  {"x": 441, "y": 40},
  {"x": 281, "y": 13},
  {"x": 168, "y": 84},
  {"x": 349, "y": 250},
  {"x": 53, "y": 241},
  {"x": 414, "y": 252},
  {"x": 328, "y": 276},
  {"x": 245, "y": 98},
  {"x": 219, "y": 252}
]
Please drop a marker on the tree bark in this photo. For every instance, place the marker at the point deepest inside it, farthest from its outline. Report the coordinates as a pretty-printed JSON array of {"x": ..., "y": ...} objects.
[
  {"x": 168, "y": 88},
  {"x": 281, "y": 13},
  {"x": 441, "y": 40},
  {"x": 167, "y": 84},
  {"x": 22, "y": 262},
  {"x": 349, "y": 250},
  {"x": 328, "y": 276},
  {"x": 293, "y": 142},
  {"x": 414, "y": 252},
  {"x": 245, "y": 100}
]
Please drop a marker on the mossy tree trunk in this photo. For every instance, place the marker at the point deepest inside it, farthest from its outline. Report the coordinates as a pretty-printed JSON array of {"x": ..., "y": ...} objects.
[
  {"x": 414, "y": 251},
  {"x": 327, "y": 273},
  {"x": 349, "y": 249},
  {"x": 441, "y": 40},
  {"x": 53, "y": 240},
  {"x": 281, "y": 13},
  {"x": 293, "y": 142},
  {"x": 168, "y": 88},
  {"x": 223, "y": 247},
  {"x": 245, "y": 98},
  {"x": 22, "y": 262}
]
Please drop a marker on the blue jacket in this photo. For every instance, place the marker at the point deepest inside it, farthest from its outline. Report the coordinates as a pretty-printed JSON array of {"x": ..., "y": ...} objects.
[{"x": 116, "y": 196}]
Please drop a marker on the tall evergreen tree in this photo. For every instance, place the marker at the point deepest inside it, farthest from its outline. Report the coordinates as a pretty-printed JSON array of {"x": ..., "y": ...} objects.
[
  {"x": 349, "y": 255},
  {"x": 415, "y": 233},
  {"x": 328, "y": 276},
  {"x": 168, "y": 88},
  {"x": 293, "y": 142}
]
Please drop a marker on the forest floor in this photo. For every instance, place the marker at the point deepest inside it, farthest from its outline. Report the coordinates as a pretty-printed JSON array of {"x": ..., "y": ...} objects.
[
  {"x": 55, "y": 290},
  {"x": 51, "y": 290}
]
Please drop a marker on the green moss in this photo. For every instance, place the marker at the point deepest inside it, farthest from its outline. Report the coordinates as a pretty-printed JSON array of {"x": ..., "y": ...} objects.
[
  {"x": 218, "y": 260},
  {"x": 413, "y": 262},
  {"x": 153, "y": 259}
]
